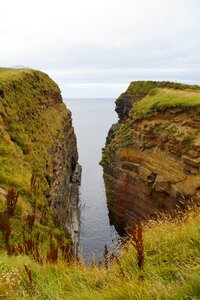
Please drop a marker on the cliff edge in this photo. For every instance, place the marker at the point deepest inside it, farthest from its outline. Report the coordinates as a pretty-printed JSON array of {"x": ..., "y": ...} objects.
[
  {"x": 38, "y": 152},
  {"x": 151, "y": 160}
]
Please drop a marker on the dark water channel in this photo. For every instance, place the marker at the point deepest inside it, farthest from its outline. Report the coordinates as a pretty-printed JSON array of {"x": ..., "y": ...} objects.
[{"x": 92, "y": 119}]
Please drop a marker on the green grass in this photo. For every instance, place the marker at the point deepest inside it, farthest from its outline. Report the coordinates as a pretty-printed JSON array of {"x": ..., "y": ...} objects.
[
  {"x": 29, "y": 121},
  {"x": 189, "y": 139},
  {"x": 139, "y": 89},
  {"x": 171, "y": 270},
  {"x": 160, "y": 127},
  {"x": 32, "y": 121},
  {"x": 163, "y": 99}
]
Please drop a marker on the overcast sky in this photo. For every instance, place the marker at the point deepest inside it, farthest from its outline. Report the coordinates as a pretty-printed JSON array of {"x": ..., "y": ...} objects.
[{"x": 94, "y": 48}]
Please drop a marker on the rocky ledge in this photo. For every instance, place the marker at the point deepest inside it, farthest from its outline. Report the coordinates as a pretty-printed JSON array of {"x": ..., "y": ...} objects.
[{"x": 151, "y": 160}]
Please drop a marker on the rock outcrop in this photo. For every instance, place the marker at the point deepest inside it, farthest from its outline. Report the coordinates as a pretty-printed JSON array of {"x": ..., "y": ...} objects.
[
  {"x": 151, "y": 160},
  {"x": 37, "y": 143}
]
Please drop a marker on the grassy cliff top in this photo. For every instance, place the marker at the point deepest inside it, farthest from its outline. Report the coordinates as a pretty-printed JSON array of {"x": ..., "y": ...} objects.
[
  {"x": 31, "y": 112},
  {"x": 160, "y": 99},
  {"x": 138, "y": 90},
  {"x": 144, "y": 87},
  {"x": 8, "y": 75},
  {"x": 143, "y": 97}
]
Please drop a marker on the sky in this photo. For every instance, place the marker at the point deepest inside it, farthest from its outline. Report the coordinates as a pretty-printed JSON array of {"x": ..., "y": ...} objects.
[{"x": 95, "y": 48}]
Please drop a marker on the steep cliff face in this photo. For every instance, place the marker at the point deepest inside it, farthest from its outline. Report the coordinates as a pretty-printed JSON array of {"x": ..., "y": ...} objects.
[
  {"x": 38, "y": 144},
  {"x": 151, "y": 161}
]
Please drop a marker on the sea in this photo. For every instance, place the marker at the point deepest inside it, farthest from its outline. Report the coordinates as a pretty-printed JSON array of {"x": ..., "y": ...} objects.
[{"x": 92, "y": 119}]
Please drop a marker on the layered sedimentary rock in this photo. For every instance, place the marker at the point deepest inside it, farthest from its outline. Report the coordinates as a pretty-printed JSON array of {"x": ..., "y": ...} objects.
[
  {"x": 38, "y": 144},
  {"x": 151, "y": 160},
  {"x": 66, "y": 175}
]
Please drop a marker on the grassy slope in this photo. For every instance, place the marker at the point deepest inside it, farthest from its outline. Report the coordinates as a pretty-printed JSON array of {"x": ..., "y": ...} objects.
[
  {"x": 26, "y": 126},
  {"x": 162, "y": 99},
  {"x": 143, "y": 88},
  {"x": 171, "y": 270},
  {"x": 31, "y": 114}
]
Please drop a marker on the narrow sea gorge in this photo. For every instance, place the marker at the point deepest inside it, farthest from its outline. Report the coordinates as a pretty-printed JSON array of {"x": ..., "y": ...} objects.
[
  {"x": 92, "y": 119},
  {"x": 150, "y": 164}
]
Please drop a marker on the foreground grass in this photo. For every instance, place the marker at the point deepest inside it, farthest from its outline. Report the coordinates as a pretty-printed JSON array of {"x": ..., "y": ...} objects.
[{"x": 171, "y": 270}]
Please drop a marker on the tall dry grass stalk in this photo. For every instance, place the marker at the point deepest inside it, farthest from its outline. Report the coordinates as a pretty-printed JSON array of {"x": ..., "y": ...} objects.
[{"x": 137, "y": 241}]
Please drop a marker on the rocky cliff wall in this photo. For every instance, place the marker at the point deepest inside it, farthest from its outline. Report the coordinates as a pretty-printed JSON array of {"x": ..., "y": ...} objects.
[
  {"x": 151, "y": 160},
  {"x": 38, "y": 144}
]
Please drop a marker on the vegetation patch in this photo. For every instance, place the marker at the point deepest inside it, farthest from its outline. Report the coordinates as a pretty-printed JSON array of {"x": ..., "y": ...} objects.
[
  {"x": 160, "y": 127},
  {"x": 165, "y": 99},
  {"x": 32, "y": 116},
  {"x": 160, "y": 261},
  {"x": 189, "y": 139},
  {"x": 139, "y": 89}
]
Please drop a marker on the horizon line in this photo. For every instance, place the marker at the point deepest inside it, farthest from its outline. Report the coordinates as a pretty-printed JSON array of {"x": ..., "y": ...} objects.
[{"x": 89, "y": 98}]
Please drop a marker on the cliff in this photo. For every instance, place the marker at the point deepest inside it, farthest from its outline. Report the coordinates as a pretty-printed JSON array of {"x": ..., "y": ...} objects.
[
  {"x": 38, "y": 153},
  {"x": 169, "y": 250},
  {"x": 151, "y": 160}
]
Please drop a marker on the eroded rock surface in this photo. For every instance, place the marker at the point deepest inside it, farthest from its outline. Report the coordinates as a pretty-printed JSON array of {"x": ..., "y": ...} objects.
[{"x": 151, "y": 164}]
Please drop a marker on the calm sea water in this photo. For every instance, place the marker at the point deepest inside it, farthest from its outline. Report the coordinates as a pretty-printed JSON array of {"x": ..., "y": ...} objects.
[{"x": 92, "y": 119}]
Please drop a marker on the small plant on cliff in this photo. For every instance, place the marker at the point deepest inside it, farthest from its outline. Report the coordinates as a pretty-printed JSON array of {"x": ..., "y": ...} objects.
[
  {"x": 106, "y": 256},
  {"x": 11, "y": 201},
  {"x": 189, "y": 139},
  {"x": 128, "y": 140},
  {"x": 159, "y": 127},
  {"x": 35, "y": 190}
]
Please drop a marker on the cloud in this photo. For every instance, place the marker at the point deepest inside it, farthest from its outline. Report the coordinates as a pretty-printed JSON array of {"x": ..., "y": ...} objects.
[{"x": 102, "y": 45}]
